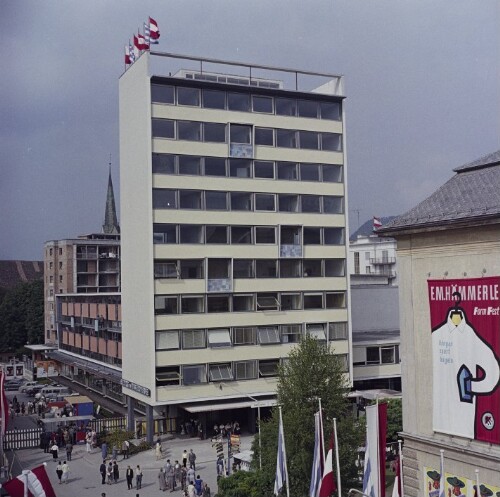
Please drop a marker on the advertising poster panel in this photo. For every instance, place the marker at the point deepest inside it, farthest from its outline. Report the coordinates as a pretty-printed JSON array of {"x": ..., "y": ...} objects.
[
  {"x": 456, "y": 485},
  {"x": 465, "y": 323}
]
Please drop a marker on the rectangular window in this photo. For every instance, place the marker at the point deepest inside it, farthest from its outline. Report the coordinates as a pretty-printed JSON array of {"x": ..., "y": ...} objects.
[
  {"x": 312, "y": 236},
  {"x": 165, "y": 233},
  {"x": 356, "y": 263},
  {"x": 290, "y": 268},
  {"x": 307, "y": 108},
  {"x": 290, "y": 302},
  {"x": 163, "y": 128},
  {"x": 286, "y": 107},
  {"x": 193, "y": 339},
  {"x": 308, "y": 140},
  {"x": 334, "y": 267},
  {"x": 330, "y": 110},
  {"x": 265, "y": 202},
  {"x": 215, "y": 166},
  {"x": 288, "y": 203},
  {"x": 286, "y": 138},
  {"x": 335, "y": 300},
  {"x": 266, "y": 268},
  {"x": 287, "y": 171},
  {"x": 219, "y": 269},
  {"x": 220, "y": 372},
  {"x": 241, "y": 201},
  {"x": 268, "y": 368},
  {"x": 191, "y": 233},
  {"x": 166, "y": 269},
  {"x": 214, "y": 132},
  {"x": 167, "y": 376},
  {"x": 388, "y": 356},
  {"x": 194, "y": 375},
  {"x": 268, "y": 334},
  {"x": 263, "y": 169},
  {"x": 311, "y": 203},
  {"x": 291, "y": 235},
  {"x": 333, "y": 205},
  {"x": 331, "y": 141},
  {"x": 245, "y": 370},
  {"x": 217, "y": 303},
  {"x": 219, "y": 338},
  {"x": 265, "y": 235},
  {"x": 161, "y": 94},
  {"x": 312, "y": 268},
  {"x": 267, "y": 302},
  {"x": 291, "y": 333},
  {"x": 316, "y": 330},
  {"x": 191, "y": 269},
  {"x": 166, "y": 305},
  {"x": 264, "y": 136},
  {"x": 337, "y": 331},
  {"x": 241, "y": 235},
  {"x": 238, "y": 101},
  {"x": 167, "y": 340},
  {"x": 216, "y": 201},
  {"x": 189, "y": 165},
  {"x": 216, "y": 234},
  {"x": 240, "y": 168},
  {"x": 243, "y": 303},
  {"x": 313, "y": 301},
  {"x": 243, "y": 268},
  {"x": 189, "y": 130},
  {"x": 372, "y": 355},
  {"x": 334, "y": 236},
  {"x": 309, "y": 172},
  {"x": 332, "y": 173},
  {"x": 244, "y": 336},
  {"x": 189, "y": 199},
  {"x": 213, "y": 99},
  {"x": 164, "y": 199},
  {"x": 192, "y": 304},
  {"x": 262, "y": 104},
  {"x": 359, "y": 356},
  {"x": 188, "y": 96},
  {"x": 164, "y": 164}
]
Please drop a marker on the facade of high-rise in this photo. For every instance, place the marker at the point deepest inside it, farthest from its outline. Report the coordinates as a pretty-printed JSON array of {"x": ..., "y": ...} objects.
[{"x": 233, "y": 223}]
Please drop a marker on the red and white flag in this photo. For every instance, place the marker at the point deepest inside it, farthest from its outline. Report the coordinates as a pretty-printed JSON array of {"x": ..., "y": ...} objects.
[
  {"x": 128, "y": 61},
  {"x": 328, "y": 485},
  {"x": 154, "y": 32},
  {"x": 377, "y": 223},
  {"x": 142, "y": 45},
  {"x": 396, "y": 489},
  {"x": 37, "y": 481},
  {"x": 4, "y": 405}
]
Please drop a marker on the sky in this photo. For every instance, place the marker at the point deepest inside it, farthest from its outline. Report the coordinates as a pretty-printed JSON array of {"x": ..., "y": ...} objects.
[{"x": 421, "y": 80}]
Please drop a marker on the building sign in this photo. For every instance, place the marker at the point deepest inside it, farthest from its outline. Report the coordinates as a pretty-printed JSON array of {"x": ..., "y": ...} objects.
[
  {"x": 455, "y": 485},
  {"x": 13, "y": 370},
  {"x": 135, "y": 387},
  {"x": 465, "y": 322}
]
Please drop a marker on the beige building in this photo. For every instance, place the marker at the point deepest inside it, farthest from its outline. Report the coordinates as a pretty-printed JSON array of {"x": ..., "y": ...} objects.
[
  {"x": 452, "y": 235},
  {"x": 233, "y": 230}
]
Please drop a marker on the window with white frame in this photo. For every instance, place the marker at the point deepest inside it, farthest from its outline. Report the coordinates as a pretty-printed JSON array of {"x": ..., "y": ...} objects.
[
  {"x": 194, "y": 374},
  {"x": 268, "y": 368},
  {"x": 268, "y": 334},
  {"x": 193, "y": 339},
  {"x": 316, "y": 330},
  {"x": 166, "y": 269},
  {"x": 291, "y": 333},
  {"x": 168, "y": 376},
  {"x": 220, "y": 372},
  {"x": 167, "y": 340},
  {"x": 337, "y": 331},
  {"x": 245, "y": 370},
  {"x": 268, "y": 302},
  {"x": 244, "y": 336},
  {"x": 219, "y": 338}
]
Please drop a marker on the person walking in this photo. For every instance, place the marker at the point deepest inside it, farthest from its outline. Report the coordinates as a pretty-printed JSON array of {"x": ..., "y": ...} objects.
[
  {"x": 198, "y": 485},
  {"x": 183, "y": 479},
  {"x": 192, "y": 459},
  {"x": 116, "y": 472},
  {"x": 171, "y": 478},
  {"x": 129, "y": 475},
  {"x": 190, "y": 475},
  {"x": 55, "y": 452},
  {"x": 104, "y": 450},
  {"x": 177, "y": 473},
  {"x": 65, "y": 472},
  {"x": 102, "y": 470},
  {"x": 125, "y": 449},
  {"x": 158, "y": 450},
  {"x": 191, "y": 490},
  {"x": 138, "y": 477},
  {"x": 161, "y": 480},
  {"x": 109, "y": 473},
  {"x": 206, "y": 490},
  {"x": 114, "y": 452},
  {"x": 69, "y": 450},
  {"x": 59, "y": 471},
  {"x": 88, "y": 441},
  {"x": 184, "y": 458}
]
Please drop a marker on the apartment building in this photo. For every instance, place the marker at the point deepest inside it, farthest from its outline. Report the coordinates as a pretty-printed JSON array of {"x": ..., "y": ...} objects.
[{"x": 233, "y": 228}]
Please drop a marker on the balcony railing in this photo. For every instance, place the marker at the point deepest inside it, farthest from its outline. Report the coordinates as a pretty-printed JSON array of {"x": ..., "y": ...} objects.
[
  {"x": 383, "y": 260},
  {"x": 292, "y": 251},
  {"x": 220, "y": 285}
]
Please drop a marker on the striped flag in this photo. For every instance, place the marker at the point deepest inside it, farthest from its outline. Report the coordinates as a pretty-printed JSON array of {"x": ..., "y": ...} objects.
[
  {"x": 317, "y": 467},
  {"x": 4, "y": 405},
  {"x": 376, "y": 429},
  {"x": 396, "y": 490},
  {"x": 377, "y": 223},
  {"x": 36, "y": 480},
  {"x": 328, "y": 485},
  {"x": 147, "y": 34},
  {"x": 154, "y": 32},
  {"x": 127, "y": 55},
  {"x": 281, "y": 471},
  {"x": 131, "y": 52}
]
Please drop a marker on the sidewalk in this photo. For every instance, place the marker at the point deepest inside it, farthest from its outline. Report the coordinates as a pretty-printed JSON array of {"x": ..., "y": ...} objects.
[{"x": 85, "y": 479}]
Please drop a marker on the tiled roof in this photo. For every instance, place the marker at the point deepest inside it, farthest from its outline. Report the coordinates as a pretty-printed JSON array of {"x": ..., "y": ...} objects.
[
  {"x": 473, "y": 193},
  {"x": 14, "y": 272}
]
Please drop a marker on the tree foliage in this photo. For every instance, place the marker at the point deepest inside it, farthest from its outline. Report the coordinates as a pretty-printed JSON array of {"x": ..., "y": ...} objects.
[
  {"x": 311, "y": 372},
  {"x": 21, "y": 317},
  {"x": 394, "y": 419}
]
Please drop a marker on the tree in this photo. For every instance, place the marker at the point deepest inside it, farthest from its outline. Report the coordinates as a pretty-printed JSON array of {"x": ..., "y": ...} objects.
[
  {"x": 311, "y": 372},
  {"x": 394, "y": 419},
  {"x": 21, "y": 316}
]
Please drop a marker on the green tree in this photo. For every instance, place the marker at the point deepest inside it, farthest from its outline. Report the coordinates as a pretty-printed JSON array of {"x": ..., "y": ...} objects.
[
  {"x": 21, "y": 317},
  {"x": 394, "y": 419},
  {"x": 311, "y": 372}
]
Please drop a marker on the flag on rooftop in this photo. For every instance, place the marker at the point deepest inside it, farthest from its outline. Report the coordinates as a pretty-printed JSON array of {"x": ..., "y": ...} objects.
[
  {"x": 147, "y": 34},
  {"x": 153, "y": 30},
  {"x": 317, "y": 467},
  {"x": 377, "y": 223},
  {"x": 128, "y": 61},
  {"x": 131, "y": 52},
  {"x": 36, "y": 480},
  {"x": 281, "y": 471},
  {"x": 142, "y": 45},
  {"x": 4, "y": 405},
  {"x": 328, "y": 485}
]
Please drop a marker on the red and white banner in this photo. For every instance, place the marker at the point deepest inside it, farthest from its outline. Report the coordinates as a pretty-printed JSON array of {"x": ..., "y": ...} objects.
[
  {"x": 4, "y": 404},
  {"x": 376, "y": 435},
  {"x": 465, "y": 323},
  {"x": 37, "y": 481}
]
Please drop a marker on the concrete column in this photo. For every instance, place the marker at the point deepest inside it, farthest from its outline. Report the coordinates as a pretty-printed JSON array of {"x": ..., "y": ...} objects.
[
  {"x": 150, "y": 429},
  {"x": 130, "y": 414}
]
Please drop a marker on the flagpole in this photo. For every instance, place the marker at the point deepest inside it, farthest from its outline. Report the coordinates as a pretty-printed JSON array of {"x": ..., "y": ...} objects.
[
  {"x": 400, "y": 455},
  {"x": 321, "y": 430},
  {"x": 478, "y": 493},
  {"x": 337, "y": 456},
  {"x": 379, "y": 489},
  {"x": 441, "y": 480}
]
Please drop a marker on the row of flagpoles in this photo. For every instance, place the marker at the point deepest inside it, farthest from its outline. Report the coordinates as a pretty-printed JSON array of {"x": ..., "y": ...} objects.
[{"x": 142, "y": 42}]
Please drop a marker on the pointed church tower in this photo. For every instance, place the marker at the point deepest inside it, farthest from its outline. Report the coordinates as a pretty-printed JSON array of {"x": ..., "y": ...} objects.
[{"x": 110, "y": 226}]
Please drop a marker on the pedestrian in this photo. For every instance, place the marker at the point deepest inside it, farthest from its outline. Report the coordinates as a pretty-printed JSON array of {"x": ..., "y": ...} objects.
[
  {"x": 65, "y": 472},
  {"x": 183, "y": 478},
  {"x": 171, "y": 478},
  {"x": 161, "y": 480},
  {"x": 116, "y": 472},
  {"x": 177, "y": 473},
  {"x": 167, "y": 467},
  {"x": 198, "y": 485},
  {"x": 158, "y": 450},
  {"x": 104, "y": 450},
  {"x": 109, "y": 473},
  {"x": 55, "y": 452},
  {"x": 59, "y": 471},
  {"x": 69, "y": 450},
  {"x": 125, "y": 449},
  {"x": 184, "y": 458},
  {"x": 191, "y": 490},
  {"x": 206, "y": 490},
  {"x": 190, "y": 475},
  {"x": 220, "y": 465},
  {"x": 129, "y": 475},
  {"x": 192, "y": 459},
  {"x": 102, "y": 470},
  {"x": 138, "y": 477},
  {"x": 88, "y": 441},
  {"x": 114, "y": 452}
]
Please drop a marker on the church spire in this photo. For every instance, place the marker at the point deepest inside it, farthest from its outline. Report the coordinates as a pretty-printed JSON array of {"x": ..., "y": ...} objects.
[{"x": 110, "y": 226}]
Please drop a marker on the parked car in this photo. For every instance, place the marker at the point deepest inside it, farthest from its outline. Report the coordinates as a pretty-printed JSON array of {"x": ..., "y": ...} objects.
[
  {"x": 12, "y": 385},
  {"x": 34, "y": 390},
  {"x": 27, "y": 386}
]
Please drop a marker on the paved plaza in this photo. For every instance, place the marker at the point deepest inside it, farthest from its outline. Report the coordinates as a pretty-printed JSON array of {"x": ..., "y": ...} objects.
[{"x": 85, "y": 479}]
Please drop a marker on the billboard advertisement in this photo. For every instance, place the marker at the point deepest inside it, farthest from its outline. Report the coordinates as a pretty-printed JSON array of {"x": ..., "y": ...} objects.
[
  {"x": 465, "y": 323},
  {"x": 455, "y": 485}
]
